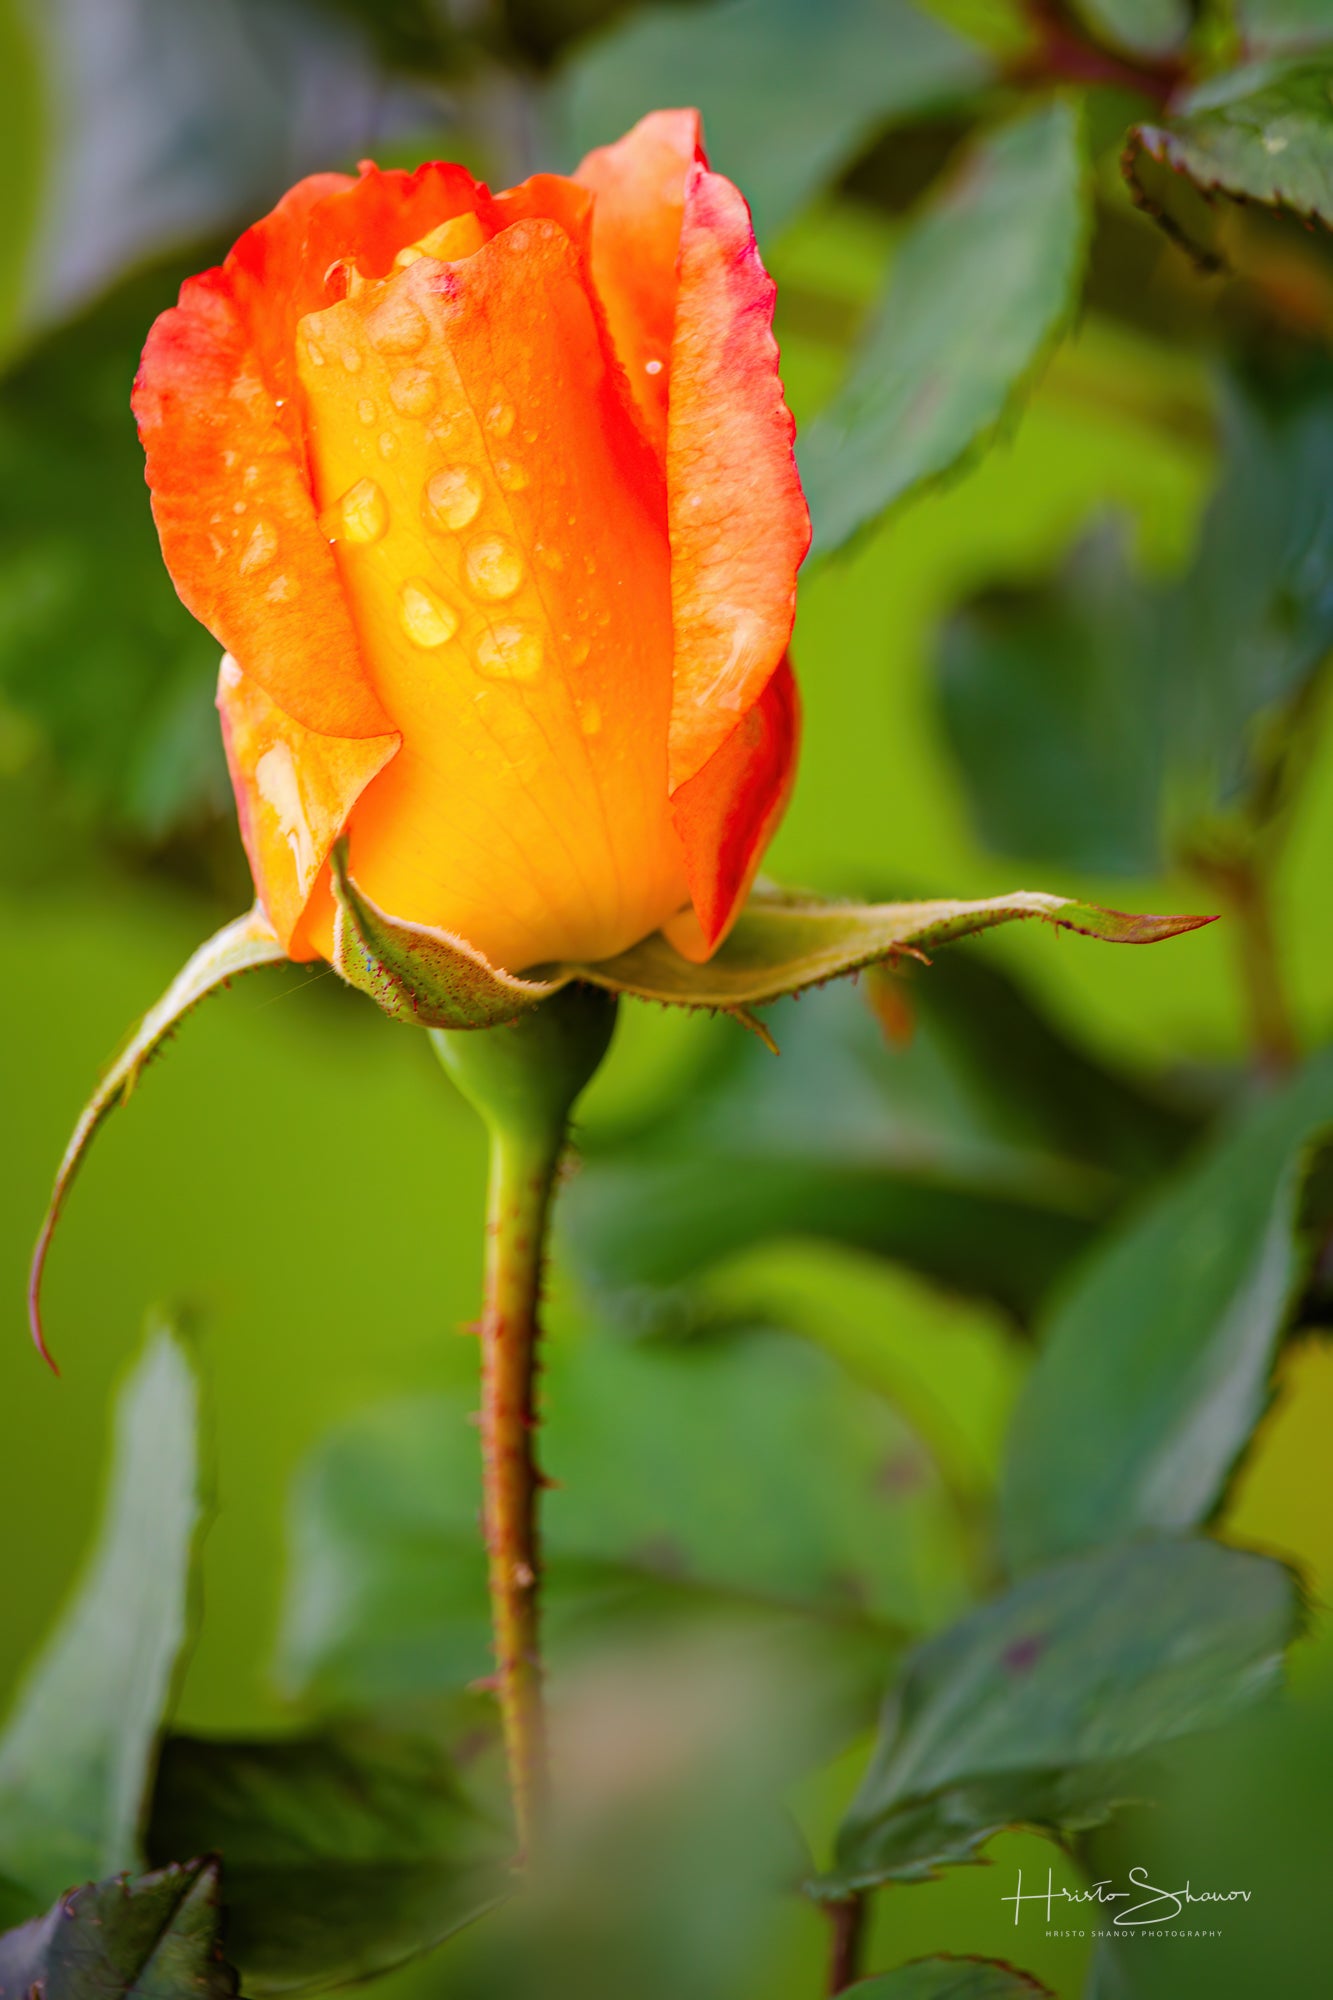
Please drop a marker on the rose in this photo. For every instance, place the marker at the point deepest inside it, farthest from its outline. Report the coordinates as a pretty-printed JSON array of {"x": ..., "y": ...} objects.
[{"x": 492, "y": 502}]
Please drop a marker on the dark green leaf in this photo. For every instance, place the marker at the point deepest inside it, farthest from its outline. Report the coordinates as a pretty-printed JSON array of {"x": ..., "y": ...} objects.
[
  {"x": 948, "y": 1978},
  {"x": 1033, "y": 1710},
  {"x": 861, "y": 64},
  {"x": 657, "y": 1511},
  {"x": 986, "y": 1152},
  {"x": 1259, "y": 134},
  {"x": 1140, "y": 27},
  {"x": 1100, "y": 719},
  {"x": 1156, "y": 1367},
  {"x": 77, "y": 1754},
  {"x": 982, "y": 282},
  {"x": 152, "y": 1939},
  {"x": 1052, "y": 700},
  {"x": 344, "y": 1854},
  {"x": 241, "y": 946}
]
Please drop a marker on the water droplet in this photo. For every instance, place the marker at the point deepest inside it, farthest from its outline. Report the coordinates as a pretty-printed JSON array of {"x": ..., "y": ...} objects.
[
  {"x": 351, "y": 360},
  {"x": 238, "y": 506},
  {"x": 579, "y": 649},
  {"x": 511, "y": 475},
  {"x": 652, "y": 367},
  {"x": 500, "y": 419},
  {"x": 590, "y": 718},
  {"x": 494, "y": 566},
  {"x": 452, "y": 498},
  {"x": 260, "y": 549},
  {"x": 414, "y": 391},
  {"x": 316, "y": 354},
  {"x": 396, "y": 326},
  {"x": 552, "y": 558},
  {"x": 366, "y": 410},
  {"x": 388, "y": 444},
  {"x": 230, "y": 458},
  {"x": 518, "y": 237},
  {"x": 427, "y": 619},
  {"x": 362, "y": 513},
  {"x": 510, "y": 653},
  {"x": 280, "y": 590},
  {"x": 251, "y": 478}
]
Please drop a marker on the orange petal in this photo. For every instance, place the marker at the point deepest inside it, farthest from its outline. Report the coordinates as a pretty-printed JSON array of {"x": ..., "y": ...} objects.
[
  {"x": 729, "y": 811},
  {"x": 217, "y": 403},
  {"x": 739, "y": 524},
  {"x": 294, "y": 790},
  {"x": 639, "y": 184},
  {"x": 500, "y": 528}
]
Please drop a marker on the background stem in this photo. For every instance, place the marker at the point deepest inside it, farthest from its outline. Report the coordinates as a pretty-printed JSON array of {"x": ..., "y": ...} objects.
[
  {"x": 521, "y": 1179},
  {"x": 848, "y": 1919}
]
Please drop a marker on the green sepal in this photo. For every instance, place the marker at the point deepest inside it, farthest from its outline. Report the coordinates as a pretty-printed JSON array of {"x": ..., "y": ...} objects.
[
  {"x": 415, "y": 973},
  {"x": 240, "y": 946},
  {"x": 782, "y": 944}
]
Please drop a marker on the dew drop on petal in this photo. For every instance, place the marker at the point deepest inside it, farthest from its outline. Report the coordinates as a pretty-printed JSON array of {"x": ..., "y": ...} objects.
[
  {"x": 366, "y": 410},
  {"x": 452, "y": 498},
  {"x": 553, "y": 559},
  {"x": 396, "y": 326},
  {"x": 427, "y": 619},
  {"x": 362, "y": 514},
  {"x": 388, "y": 444},
  {"x": 259, "y": 550},
  {"x": 652, "y": 367},
  {"x": 510, "y": 653},
  {"x": 351, "y": 360},
  {"x": 511, "y": 475},
  {"x": 494, "y": 567},
  {"x": 315, "y": 353},
  {"x": 500, "y": 419},
  {"x": 414, "y": 391}
]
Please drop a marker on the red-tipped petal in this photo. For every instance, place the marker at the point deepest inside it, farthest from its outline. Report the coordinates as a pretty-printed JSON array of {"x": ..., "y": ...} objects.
[
  {"x": 639, "y": 185},
  {"x": 738, "y": 520},
  {"x": 729, "y": 811}
]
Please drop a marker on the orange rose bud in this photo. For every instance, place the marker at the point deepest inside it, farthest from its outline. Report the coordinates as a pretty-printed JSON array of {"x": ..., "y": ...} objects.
[{"x": 491, "y": 501}]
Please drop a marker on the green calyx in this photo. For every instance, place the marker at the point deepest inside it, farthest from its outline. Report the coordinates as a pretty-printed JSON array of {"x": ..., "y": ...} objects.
[{"x": 525, "y": 1075}]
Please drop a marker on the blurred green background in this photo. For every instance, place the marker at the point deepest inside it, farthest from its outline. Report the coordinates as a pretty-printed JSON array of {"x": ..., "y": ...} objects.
[{"x": 296, "y": 1172}]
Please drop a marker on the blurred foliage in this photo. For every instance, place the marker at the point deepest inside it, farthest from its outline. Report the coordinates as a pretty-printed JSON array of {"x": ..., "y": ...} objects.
[{"x": 817, "y": 1285}]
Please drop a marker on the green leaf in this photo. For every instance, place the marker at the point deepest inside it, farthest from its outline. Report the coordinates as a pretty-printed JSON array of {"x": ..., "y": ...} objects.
[
  {"x": 344, "y": 1854},
  {"x": 986, "y": 1153},
  {"x": 1270, "y": 25},
  {"x": 1156, "y": 1367},
  {"x": 240, "y": 946},
  {"x": 982, "y": 283},
  {"x": 1263, "y": 134},
  {"x": 427, "y": 977},
  {"x": 1140, "y": 27},
  {"x": 152, "y": 1939},
  {"x": 783, "y": 943},
  {"x": 1034, "y": 1710},
  {"x": 655, "y": 1513},
  {"x": 78, "y": 1751},
  {"x": 861, "y": 65},
  {"x": 1135, "y": 716},
  {"x": 949, "y": 1978},
  {"x": 1066, "y": 682}
]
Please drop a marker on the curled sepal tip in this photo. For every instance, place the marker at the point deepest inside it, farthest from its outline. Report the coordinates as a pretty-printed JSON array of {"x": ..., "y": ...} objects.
[
  {"x": 241, "y": 946},
  {"x": 782, "y": 944},
  {"x": 417, "y": 974}
]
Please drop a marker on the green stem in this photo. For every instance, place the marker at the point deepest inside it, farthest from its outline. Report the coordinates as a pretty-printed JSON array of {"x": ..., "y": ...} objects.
[
  {"x": 522, "y": 1177},
  {"x": 524, "y": 1079}
]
